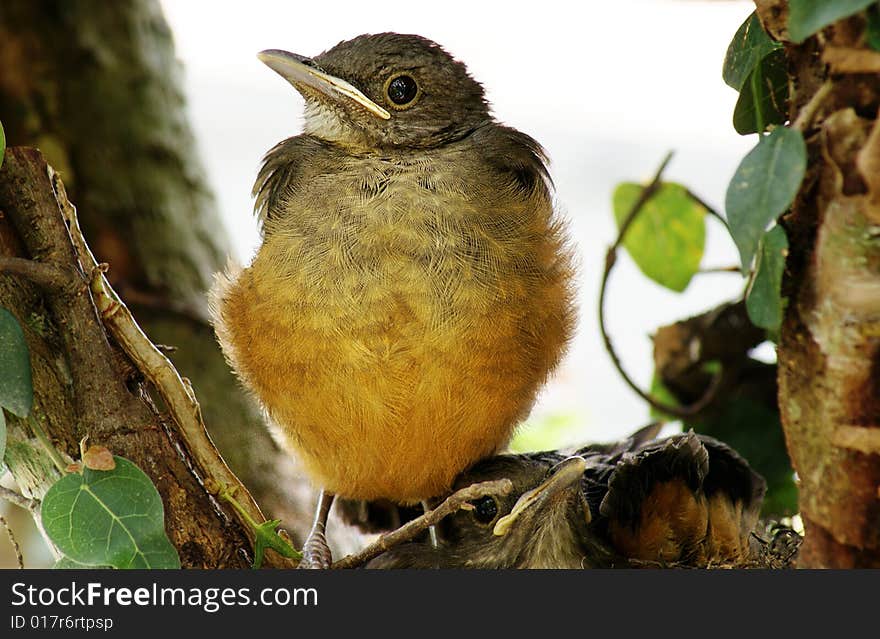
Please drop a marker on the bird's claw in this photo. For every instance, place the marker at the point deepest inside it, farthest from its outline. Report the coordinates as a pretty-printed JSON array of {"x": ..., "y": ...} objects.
[{"x": 316, "y": 553}]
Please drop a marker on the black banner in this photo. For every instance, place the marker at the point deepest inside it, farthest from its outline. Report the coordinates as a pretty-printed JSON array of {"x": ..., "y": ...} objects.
[{"x": 410, "y": 603}]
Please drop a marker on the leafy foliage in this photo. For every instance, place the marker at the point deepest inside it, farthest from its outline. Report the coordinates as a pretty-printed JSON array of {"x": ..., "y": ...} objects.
[
  {"x": 749, "y": 46},
  {"x": 763, "y": 187},
  {"x": 764, "y": 96},
  {"x": 806, "y": 17},
  {"x": 109, "y": 518},
  {"x": 667, "y": 238},
  {"x": 764, "y": 301},
  {"x": 16, "y": 384}
]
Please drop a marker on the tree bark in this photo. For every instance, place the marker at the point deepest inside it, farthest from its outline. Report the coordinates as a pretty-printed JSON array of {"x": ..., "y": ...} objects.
[
  {"x": 96, "y": 86},
  {"x": 84, "y": 385},
  {"x": 829, "y": 349}
]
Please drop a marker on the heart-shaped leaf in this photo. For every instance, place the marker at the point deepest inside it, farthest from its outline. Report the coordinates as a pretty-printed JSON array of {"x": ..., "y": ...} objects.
[
  {"x": 667, "y": 238},
  {"x": 762, "y": 188},
  {"x": 749, "y": 46},
  {"x": 109, "y": 518},
  {"x": 764, "y": 97},
  {"x": 16, "y": 385}
]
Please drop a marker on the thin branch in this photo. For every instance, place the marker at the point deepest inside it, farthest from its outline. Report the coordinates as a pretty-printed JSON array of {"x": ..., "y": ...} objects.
[
  {"x": 610, "y": 260},
  {"x": 808, "y": 111},
  {"x": 720, "y": 269},
  {"x": 176, "y": 391},
  {"x": 45, "y": 275},
  {"x": 709, "y": 209},
  {"x": 7, "y": 494},
  {"x": 14, "y": 542},
  {"x": 411, "y": 529}
]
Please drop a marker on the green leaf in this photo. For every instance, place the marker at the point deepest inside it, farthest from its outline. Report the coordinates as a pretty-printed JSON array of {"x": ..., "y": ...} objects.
[
  {"x": 667, "y": 238},
  {"x": 806, "y": 17},
  {"x": 764, "y": 96},
  {"x": 763, "y": 300},
  {"x": 16, "y": 386},
  {"x": 2, "y": 143},
  {"x": 265, "y": 536},
  {"x": 763, "y": 186},
  {"x": 112, "y": 518},
  {"x": 749, "y": 46}
]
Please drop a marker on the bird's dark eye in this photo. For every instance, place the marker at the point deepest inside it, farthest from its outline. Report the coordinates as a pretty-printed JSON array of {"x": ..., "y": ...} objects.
[
  {"x": 485, "y": 509},
  {"x": 402, "y": 90}
]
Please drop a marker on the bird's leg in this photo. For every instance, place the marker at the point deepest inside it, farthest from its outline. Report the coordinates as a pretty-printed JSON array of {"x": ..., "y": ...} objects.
[
  {"x": 432, "y": 530},
  {"x": 316, "y": 552}
]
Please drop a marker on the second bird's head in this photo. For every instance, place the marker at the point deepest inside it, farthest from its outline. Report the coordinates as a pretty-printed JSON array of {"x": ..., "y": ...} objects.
[{"x": 384, "y": 90}]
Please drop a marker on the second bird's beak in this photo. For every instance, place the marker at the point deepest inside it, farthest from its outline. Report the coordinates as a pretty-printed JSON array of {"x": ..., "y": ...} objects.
[
  {"x": 566, "y": 474},
  {"x": 306, "y": 77}
]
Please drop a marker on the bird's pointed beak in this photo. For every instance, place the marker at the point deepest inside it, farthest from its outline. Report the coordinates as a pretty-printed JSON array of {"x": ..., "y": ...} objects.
[
  {"x": 567, "y": 473},
  {"x": 306, "y": 76}
]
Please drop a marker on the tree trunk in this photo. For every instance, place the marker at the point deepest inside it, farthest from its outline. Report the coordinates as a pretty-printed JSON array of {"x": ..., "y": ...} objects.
[
  {"x": 96, "y": 86},
  {"x": 84, "y": 385},
  {"x": 829, "y": 349}
]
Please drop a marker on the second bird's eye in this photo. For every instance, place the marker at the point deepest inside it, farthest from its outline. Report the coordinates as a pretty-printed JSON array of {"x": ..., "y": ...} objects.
[
  {"x": 402, "y": 90},
  {"x": 485, "y": 509}
]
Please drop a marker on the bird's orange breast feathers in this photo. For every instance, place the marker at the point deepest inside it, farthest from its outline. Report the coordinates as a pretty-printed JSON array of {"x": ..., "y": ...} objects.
[{"x": 400, "y": 317}]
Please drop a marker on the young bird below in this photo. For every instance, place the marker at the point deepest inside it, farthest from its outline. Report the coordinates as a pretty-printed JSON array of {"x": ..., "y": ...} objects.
[{"x": 686, "y": 500}]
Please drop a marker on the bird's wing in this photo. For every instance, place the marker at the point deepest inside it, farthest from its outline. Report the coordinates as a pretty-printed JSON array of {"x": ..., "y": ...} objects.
[{"x": 686, "y": 499}]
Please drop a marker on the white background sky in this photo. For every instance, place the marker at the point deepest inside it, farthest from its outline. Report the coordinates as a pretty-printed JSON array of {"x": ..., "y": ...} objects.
[{"x": 606, "y": 87}]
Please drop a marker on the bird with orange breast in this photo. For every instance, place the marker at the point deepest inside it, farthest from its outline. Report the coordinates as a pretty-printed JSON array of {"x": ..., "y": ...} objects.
[{"x": 413, "y": 288}]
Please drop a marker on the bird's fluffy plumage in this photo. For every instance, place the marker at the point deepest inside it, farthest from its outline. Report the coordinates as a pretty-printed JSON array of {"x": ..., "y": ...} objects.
[
  {"x": 404, "y": 307},
  {"x": 686, "y": 500}
]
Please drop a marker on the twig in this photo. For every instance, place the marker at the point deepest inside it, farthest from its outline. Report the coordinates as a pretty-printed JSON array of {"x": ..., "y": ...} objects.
[
  {"x": 18, "y": 499},
  {"x": 710, "y": 210},
  {"x": 808, "y": 111},
  {"x": 176, "y": 391},
  {"x": 412, "y": 528},
  {"x": 40, "y": 273},
  {"x": 14, "y": 542},
  {"x": 610, "y": 260},
  {"x": 721, "y": 269}
]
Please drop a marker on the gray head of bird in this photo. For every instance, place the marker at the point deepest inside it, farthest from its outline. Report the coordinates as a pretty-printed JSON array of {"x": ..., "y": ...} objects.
[{"x": 384, "y": 90}]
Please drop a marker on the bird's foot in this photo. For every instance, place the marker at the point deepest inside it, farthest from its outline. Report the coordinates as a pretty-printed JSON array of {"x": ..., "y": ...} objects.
[{"x": 315, "y": 552}]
